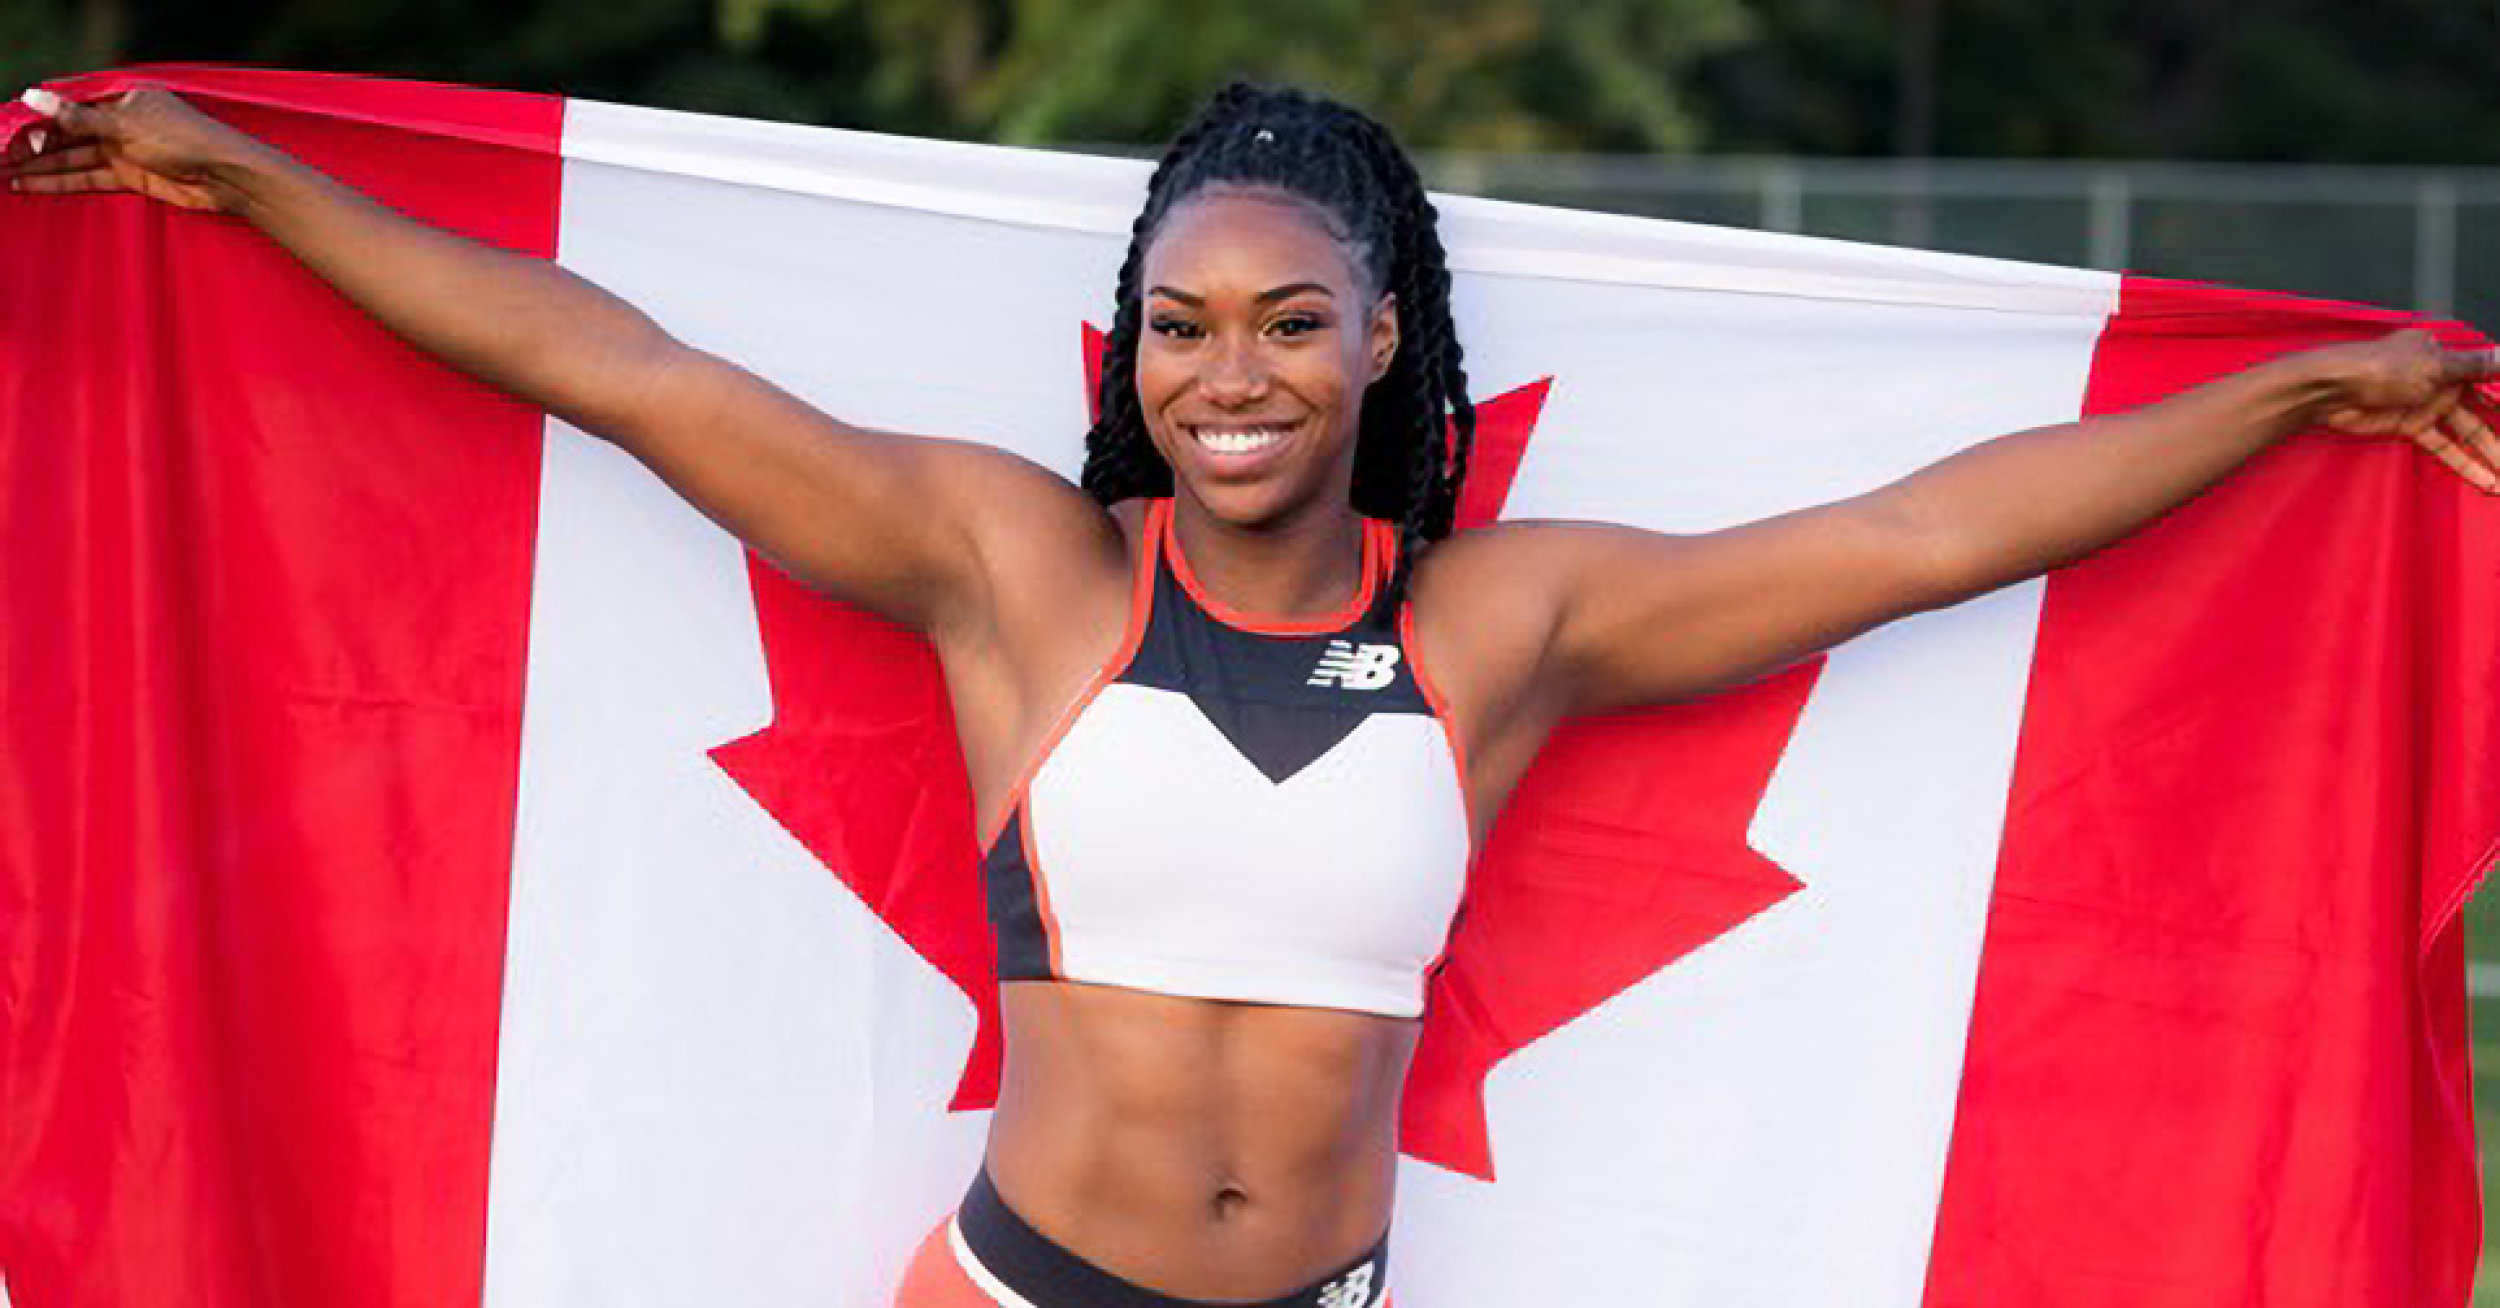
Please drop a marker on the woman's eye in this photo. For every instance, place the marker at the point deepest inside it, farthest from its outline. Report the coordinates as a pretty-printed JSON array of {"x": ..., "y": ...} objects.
[
  {"x": 1298, "y": 324},
  {"x": 1180, "y": 329}
]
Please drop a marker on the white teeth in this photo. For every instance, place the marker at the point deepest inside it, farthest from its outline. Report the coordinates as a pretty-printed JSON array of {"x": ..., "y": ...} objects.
[{"x": 1239, "y": 442}]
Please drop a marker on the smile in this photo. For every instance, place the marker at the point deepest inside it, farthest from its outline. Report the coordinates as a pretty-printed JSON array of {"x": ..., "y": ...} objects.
[{"x": 1240, "y": 440}]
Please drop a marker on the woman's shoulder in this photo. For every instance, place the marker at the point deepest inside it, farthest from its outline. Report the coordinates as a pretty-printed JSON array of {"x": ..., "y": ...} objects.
[
  {"x": 1484, "y": 565},
  {"x": 1486, "y": 598},
  {"x": 1052, "y": 555}
]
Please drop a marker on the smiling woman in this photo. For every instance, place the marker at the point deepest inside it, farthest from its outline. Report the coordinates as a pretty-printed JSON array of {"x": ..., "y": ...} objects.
[
  {"x": 1339, "y": 213},
  {"x": 1255, "y": 375},
  {"x": 1238, "y": 712},
  {"x": 1256, "y": 389}
]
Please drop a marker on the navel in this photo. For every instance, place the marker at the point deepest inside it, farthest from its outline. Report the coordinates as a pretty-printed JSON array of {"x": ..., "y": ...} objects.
[{"x": 1230, "y": 1199}]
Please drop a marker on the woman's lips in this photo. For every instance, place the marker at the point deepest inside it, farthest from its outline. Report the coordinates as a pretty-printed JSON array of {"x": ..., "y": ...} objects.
[{"x": 1239, "y": 445}]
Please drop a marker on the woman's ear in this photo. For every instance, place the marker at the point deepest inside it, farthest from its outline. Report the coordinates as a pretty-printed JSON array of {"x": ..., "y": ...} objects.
[{"x": 1384, "y": 333}]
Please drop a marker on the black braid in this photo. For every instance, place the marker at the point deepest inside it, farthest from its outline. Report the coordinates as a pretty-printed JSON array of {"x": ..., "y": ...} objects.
[
  {"x": 1418, "y": 426},
  {"x": 1120, "y": 462}
]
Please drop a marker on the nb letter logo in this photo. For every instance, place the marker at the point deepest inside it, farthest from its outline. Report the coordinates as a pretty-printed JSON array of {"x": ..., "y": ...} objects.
[
  {"x": 1349, "y": 666},
  {"x": 1354, "y": 1289}
]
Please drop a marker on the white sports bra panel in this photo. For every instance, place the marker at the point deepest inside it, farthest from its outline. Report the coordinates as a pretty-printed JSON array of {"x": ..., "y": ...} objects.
[
  {"x": 1270, "y": 816},
  {"x": 1174, "y": 864}
]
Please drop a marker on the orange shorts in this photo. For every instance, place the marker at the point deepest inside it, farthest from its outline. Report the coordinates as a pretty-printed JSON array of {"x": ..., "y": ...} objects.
[{"x": 939, "y": 1278}]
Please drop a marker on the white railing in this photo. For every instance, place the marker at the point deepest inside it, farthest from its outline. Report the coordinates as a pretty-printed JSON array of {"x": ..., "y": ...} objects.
[{"x": 2426, "y": 239}]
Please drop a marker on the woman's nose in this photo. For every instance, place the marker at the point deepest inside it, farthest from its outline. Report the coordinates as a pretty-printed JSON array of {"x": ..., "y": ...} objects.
[{"x": 1233, "y": 374}]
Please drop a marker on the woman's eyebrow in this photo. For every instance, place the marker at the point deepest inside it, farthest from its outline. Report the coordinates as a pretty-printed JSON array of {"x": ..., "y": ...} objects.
[
  {"x": 1268, "y": 296},
  {"x": 1290, "y": 289}
]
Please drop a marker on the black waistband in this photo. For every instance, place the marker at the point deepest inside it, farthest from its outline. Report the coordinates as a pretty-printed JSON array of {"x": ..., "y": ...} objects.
[{"x": 1034, "y": 1266}]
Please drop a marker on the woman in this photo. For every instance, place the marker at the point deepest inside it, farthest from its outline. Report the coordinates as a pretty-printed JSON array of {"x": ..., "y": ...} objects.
[{"x": 1209, "y": 979}]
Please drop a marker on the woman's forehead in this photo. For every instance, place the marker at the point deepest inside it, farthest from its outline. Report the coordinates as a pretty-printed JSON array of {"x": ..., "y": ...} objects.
[{"x": 1248, "y": 233}]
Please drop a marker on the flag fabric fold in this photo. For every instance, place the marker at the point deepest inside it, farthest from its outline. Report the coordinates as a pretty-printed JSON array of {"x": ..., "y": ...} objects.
[{"x": 437, "y": 866}]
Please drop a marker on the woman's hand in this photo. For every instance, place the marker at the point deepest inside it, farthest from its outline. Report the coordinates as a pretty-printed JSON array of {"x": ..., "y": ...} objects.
[
  {"x": 145, "y": 141},
  {"x": 910, "y": 529},
  {"x": 2407, "y": 385}
]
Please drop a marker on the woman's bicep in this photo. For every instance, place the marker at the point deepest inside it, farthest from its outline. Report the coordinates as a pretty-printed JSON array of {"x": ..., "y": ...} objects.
[
  {"x": 893, "y": 523},
  {"x": 1645, "y": 618}
]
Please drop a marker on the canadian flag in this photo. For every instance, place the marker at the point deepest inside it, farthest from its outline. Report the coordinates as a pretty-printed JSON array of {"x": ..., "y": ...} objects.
[{"x": 438, "y": 867}]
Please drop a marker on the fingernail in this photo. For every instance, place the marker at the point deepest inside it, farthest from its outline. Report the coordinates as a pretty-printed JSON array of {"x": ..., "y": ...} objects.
[
  {"x": 36, "y": 139},
  {"x": 42, "y": 101}
]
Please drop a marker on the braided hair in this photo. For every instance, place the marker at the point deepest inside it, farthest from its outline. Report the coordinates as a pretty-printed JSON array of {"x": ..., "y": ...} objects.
[{"x": 1417, "y": 425}]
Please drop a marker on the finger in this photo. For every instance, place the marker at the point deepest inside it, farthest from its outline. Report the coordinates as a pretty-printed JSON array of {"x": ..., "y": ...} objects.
[
  {"x": 87, "y": 182},
  {"x": 60, "y": 161},
  {"x": 2423, "y": 417},
  {"x": 2458, "y": 366},
  {"x": 2458, "y": 461},
  {"x": 2466, "y": 428},
  {"x": 71, "y": 116}
]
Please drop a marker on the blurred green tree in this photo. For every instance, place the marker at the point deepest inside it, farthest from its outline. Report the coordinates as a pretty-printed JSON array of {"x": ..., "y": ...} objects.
[
  {"x": 39, "y": 38},
  {"x": 1483, "y": 73},
  {"x": 2385, "y": 81},
  {"x": 1598, "y": 74},
  {"x": 2389, "y": 81}
]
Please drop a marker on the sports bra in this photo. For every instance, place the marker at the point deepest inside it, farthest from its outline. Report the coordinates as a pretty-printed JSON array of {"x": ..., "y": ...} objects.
[{"x": 1239, "y": 808}]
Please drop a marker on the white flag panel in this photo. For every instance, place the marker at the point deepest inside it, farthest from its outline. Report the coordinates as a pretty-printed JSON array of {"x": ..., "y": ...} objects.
[{"x": 723, "y": 1079}]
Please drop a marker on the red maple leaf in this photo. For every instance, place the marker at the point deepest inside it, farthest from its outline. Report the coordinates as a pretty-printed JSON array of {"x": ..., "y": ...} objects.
[{"x": 1621, "y": 850}]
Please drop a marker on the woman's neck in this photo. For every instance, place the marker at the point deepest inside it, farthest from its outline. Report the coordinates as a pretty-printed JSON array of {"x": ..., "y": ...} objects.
[{"x": 1300, "y": 568}]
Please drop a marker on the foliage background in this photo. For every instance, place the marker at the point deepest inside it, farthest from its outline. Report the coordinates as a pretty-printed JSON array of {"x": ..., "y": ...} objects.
[{"x": 2385, "y": 81}]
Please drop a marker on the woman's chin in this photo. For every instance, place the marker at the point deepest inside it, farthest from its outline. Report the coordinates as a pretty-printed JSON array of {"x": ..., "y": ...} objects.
[{"x": 1253, "y": 504}]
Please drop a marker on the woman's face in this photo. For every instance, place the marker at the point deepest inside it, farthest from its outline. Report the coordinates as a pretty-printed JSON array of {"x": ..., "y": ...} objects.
[{"x": 1257, "y": 341}]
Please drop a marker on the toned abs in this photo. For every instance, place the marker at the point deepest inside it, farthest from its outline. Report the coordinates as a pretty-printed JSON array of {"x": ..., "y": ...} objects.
[{"x": 1213, "y": 1150}]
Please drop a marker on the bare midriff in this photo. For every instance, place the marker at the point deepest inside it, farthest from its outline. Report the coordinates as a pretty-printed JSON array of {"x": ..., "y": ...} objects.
[{"x": 1203, "y": 1149}]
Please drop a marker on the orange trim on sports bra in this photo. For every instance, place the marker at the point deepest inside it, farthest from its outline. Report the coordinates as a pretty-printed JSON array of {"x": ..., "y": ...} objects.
[
  {"x": 1375, "y": 547},
  {"x": 1141, "y": 600}
]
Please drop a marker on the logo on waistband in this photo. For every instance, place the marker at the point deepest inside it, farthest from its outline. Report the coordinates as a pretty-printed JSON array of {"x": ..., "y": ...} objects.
[
  {"x": 1356, "y": 667},
  {"x": 1354, "y": 1289}
]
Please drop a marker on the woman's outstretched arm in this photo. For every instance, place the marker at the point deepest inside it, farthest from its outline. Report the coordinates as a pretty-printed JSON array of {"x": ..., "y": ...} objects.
[
  {"x": 1626, "y": 617},
  {"x": 886, "y": 521}
]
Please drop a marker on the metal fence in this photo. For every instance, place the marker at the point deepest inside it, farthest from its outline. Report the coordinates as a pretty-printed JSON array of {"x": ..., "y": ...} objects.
[{"x": 2426, "y": 239}]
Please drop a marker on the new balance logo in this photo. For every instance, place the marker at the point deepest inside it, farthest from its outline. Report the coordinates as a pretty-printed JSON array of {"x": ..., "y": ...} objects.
[
  {"x": 1356, "y": 667},
  {"x": 1354, "y": 1289}
]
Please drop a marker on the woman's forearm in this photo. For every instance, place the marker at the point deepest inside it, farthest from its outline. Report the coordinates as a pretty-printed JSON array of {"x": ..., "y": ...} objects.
[
  {"x": 518, "y": 323},
  {"x": 2019, "y": 505}
]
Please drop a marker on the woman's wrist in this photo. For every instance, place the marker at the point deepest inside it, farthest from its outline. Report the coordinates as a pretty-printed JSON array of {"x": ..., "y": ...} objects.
[
  {"x": 2300, "y": 388},
  {"x": 258, "y": 177}
]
